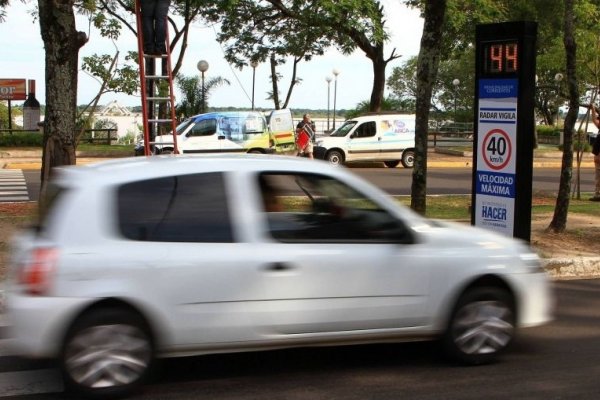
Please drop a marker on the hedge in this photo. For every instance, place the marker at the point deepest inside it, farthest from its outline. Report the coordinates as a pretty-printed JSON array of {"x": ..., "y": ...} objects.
[{"x": 21, "y": 139}]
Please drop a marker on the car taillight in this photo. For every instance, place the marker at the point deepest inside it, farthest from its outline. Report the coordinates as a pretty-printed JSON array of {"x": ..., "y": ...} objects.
[{"x": 37, "y": 274}]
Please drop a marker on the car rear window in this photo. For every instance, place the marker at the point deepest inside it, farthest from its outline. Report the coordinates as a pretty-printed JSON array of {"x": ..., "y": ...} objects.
[{"x": 185, "y": 208}]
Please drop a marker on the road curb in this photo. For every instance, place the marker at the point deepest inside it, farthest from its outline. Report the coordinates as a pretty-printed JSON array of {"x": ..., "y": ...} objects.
[{"x": 572, "y": 267}]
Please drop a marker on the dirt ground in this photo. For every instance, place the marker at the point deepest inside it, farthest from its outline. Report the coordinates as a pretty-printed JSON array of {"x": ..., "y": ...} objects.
[{"x": 582, "y": 237}]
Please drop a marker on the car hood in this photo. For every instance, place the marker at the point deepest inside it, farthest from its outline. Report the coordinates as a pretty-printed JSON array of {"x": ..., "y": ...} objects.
[
  {"x": 329, "y": 141},
  {"x": 455, "y": 236}
]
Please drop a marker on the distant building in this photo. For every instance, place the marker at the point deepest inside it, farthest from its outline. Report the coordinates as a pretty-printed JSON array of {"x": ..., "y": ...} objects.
[{"x": 127, "y": 121}]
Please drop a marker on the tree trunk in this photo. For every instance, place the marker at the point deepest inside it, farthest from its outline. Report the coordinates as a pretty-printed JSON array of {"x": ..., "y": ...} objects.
[
  {"x": 427, "y": 66},
  {"x": 292, "y": 82},
  {"x": 379, "y": 65},
  {"x": 274, "y": 82},
  {"x": 559, "y": 220},
  {"x": 62, "y": 43}
]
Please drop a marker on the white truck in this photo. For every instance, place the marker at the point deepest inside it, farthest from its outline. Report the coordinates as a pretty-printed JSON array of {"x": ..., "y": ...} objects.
[{"x": 387, "y": 138}]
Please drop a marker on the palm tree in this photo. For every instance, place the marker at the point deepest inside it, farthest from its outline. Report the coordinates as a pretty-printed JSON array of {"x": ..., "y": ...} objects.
[{"x": 193, "y": 93}]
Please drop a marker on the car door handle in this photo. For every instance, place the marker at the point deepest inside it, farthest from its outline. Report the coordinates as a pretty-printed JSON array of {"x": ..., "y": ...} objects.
[{"x": 278, "y": 266}]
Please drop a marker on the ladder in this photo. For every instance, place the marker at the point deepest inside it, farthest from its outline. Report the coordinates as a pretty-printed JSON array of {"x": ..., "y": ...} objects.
[{"x": 155, "y": 103}]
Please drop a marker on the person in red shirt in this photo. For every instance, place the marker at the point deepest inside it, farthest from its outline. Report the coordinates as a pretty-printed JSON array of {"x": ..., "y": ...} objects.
[{"x": 307, "y": 126}]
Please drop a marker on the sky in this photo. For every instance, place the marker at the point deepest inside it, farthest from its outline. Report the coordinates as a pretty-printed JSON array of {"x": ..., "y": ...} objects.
[{"x": 23, "y": 58}]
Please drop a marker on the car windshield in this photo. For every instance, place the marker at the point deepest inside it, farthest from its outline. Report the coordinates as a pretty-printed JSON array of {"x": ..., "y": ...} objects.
[
  {"x": 183, "y": 126},
  {"x": 344, "y": 129}
]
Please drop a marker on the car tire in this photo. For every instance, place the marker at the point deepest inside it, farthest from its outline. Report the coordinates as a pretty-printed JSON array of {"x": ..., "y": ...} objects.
[
  {"x": 391, "y": 164},
  {"x": 107, "y": 353},
  {"x": 408, "y": 158},
  {"x": 166, "y": 151},
  {"x": 255, "y": 151},
  {"x": 481, "y": 326},
  {"x": 335, "y": 157}
]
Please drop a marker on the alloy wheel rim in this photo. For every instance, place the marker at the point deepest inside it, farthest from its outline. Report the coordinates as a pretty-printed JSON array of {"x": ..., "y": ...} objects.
[
  {"x": 108, "y": 355},
  {"x": 483, "y": 327}
]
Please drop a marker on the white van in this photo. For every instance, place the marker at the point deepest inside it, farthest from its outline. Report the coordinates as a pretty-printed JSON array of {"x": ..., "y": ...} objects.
[
  {"x": 389, "y": 138},
  {"x": 231, "y": 131}
]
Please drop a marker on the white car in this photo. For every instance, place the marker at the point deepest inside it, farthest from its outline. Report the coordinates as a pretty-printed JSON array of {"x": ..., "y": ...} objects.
[{"x": 178, "y": 255}]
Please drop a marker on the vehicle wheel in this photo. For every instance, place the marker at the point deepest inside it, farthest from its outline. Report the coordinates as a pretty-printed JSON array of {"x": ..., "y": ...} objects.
[
  {"x": 335, "y": 157},
  {"x": 391, "y": 164},
  {"x": 254, "y": 151},
  {"x": 408, "y": 158},
  {"x": 166, "y": 151},
  {"x": 482, "y": 325},
  {"x": 107, "y": 353}
]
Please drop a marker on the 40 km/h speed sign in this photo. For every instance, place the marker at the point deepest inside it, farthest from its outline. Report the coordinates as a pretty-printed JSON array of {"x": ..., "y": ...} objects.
[
  {"x": 497, "y": 149},
  {"x": 504, "y": 127}
]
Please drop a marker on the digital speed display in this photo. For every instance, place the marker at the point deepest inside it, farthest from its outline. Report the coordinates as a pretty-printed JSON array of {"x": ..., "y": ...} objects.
[{"x": 500, "y": 58}]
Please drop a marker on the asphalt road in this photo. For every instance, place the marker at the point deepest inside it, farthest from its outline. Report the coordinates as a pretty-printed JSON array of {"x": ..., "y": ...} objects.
[
  {"x": 397, "y": 181},
  {"x": 557, "y": 361}
]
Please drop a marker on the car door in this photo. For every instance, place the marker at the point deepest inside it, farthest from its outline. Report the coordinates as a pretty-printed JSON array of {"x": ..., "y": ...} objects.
[
  {"x": 194, "y": 267},
  {"x": 363, "y": 143},
  {"x": 202, "y": 137},
  {"x": 281, "y": 126},
  {"x": 333, "y": 261}
]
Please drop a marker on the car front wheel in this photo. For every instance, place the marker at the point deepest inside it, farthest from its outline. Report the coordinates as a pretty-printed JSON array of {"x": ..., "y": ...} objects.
[
  {"x": 482, "y": 326},
  {"x": 335, "y": 157},
  {"x": 107, "y": 353}
]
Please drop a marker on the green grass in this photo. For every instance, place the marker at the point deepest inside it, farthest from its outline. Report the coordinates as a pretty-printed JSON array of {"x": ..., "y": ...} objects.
[
  {"x": 457, "y": 207},
  {"x": 444, "y": 207},
  {"x": 114, "y": 149}
]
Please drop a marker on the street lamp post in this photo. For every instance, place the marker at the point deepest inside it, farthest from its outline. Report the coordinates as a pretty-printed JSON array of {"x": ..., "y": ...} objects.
[
  {"x": 253, "y": 64},
  {"x": 335, "y": 72},
  {"x": 328, "y": 79},
  {"x": 455, "y": 82},
  {"x": 558, "y": 79},
  {"x": 203, "y": 67}
]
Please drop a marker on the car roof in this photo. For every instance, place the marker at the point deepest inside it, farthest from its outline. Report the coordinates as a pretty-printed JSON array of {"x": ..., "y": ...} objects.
[
  {"x": 225, "y": 114},
  {"x": 371, "y": 117}
]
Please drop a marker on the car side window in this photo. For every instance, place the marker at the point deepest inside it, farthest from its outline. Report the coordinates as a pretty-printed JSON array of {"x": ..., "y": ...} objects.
[
  {"x": 320, "y": 209},
  {"x": 205, "y": 127},
  {"x": 185, "y": 208},
  {"x": 366, "y": 129}
]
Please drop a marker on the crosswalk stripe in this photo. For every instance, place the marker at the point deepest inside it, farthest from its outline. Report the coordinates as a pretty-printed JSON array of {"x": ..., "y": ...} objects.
[{"x": 13, "y": 186}]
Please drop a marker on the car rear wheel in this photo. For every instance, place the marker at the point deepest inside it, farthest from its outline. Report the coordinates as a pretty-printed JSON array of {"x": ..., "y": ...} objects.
[
  {"x": 107, "y": 353},
  {"x": 482, "y": 326},
  {"x": 391, "y": 164},
  {"x": 408, "y": 159},
  {"x": 335, "y": 157}
]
